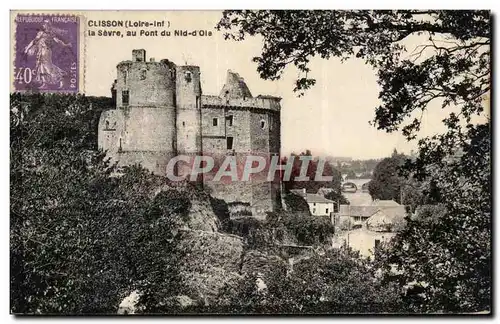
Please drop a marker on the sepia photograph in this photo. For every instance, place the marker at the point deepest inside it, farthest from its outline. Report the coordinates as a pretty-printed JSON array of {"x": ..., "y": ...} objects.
[{"x": 250, "y": 162}]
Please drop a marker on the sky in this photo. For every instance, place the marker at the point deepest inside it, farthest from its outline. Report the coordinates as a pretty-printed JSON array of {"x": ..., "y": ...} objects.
[{"x": 331, "y": 119}]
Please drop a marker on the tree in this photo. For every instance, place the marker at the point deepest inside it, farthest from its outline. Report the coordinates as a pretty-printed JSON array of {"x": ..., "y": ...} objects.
[
  {"x": 337, "y": 197},
  {"x": 81, "y": 240},
  {"x": 312, "y": 185},
  {"x": 386, "y": 183},
  {"x": 351, "y": 174},
  {"x": 336, "y": 282},
  {"x": 452, "y": 63},
  {"x": 449, "y": 66}
]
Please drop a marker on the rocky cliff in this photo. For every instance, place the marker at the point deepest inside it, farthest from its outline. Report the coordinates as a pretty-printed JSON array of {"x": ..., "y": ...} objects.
[{"x": 209, "y": 260}]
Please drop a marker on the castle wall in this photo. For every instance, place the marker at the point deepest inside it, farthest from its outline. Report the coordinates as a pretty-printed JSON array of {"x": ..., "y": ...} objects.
[
  {"x": 274, "y": 132},
  {"x": 231, "y": 192},
  {"x": 109, "y": 129},
  {"x": 207, "y": 127},
  {"x": 259, "y": 131},
  {"x": 156, "y": 162},
  {"x": 148, "y": 83},
  {"x": 240, "y": 130},
  {"x": 128, "y": 142},
  {"x": 257, "y": 102},
  {"x": 214, "y": 137},
  {"x": 145, "y": 100},
  {"x": 161, "y": 113},
  {"x": 188, "y": 104},
  {"x": 188, "y": 115},
  {"x": 149, "y": 129},
  {"x": 262, "y": 199},
  {"x": 260, "y": 195}
]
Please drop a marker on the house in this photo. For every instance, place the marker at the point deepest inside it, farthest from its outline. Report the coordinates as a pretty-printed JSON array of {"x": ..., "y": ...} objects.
[
  {"x": 365, "y": 241},
  {"x": 355, "y": 215},
  {"x": 371, "y": 225},
  {"x": 318, "y": 205},
  {"x": 387, "y": 219},
  {"x": 386, "y": 211}
]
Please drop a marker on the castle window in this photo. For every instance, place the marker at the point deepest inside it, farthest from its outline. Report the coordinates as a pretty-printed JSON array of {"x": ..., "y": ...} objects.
[
  {"x": 188, "y": 76},
  {"x": 125, "y": 97},
  {"x": 229, "y": 143},
  {"x": 229, "y": 120},
  {"x": 143, "y": 75},
  {"x": 125, "y": 74},
  {"x": 108, "y": 126},
  {"x": 263, "y": 124},
  {"x": 326, "y": 211},
  {"x": 215, "y": 121},
  {"x": 183, "y": 123}
]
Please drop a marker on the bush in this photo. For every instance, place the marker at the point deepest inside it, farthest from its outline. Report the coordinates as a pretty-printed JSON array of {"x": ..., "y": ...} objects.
[
  {"x": 296, "y": 203},
  {"x": 308, "y": 230}
]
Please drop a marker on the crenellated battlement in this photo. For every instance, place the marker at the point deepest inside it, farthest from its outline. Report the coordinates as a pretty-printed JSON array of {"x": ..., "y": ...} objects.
[{"x": 260, "y": 102}]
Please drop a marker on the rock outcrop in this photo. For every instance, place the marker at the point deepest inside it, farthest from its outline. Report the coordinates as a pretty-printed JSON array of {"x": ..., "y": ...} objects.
[{"x": 209, "y": 261}]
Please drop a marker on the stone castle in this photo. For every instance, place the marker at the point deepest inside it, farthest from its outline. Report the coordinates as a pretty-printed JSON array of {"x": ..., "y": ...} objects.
[{"x": 161, "y": 112}]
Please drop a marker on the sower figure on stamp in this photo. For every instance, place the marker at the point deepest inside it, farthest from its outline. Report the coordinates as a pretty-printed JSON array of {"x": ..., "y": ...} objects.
[{"x": 41, "y": 47}]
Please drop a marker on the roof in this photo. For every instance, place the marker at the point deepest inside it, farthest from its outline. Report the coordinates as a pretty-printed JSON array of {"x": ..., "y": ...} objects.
[
  {"x": 385, "y": 203},
  {"x": 311, "y": 198},
  {"x": 368, "y": 211},
  {"x": 363, "y": 211},
  {"x": 395, "y": 212},
  {"x": 299, "y": 192},
  {"x": 315, "y": 198},
  {"x": 385, "y": 218}
]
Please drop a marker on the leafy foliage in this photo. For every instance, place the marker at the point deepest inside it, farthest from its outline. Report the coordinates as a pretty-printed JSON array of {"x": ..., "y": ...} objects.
[
  {"x": 313, "y": 167},
  {"x": 386, "y": 183},
  {"x": 81, "y": 238},
  {"x": 337, "y": 282},
  {"x": 451, "y": 64},
  {"x": 296, "y": 203},
  {"x": 308, "y": 230},
  {"x": 449, "y": 259},
  {"x": 337, "y": 197}
]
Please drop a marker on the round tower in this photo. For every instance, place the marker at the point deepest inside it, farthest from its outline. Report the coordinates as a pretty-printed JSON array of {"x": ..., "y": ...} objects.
[
  {"x": 188, "y": 121},
  {"x": 145, "y": 93}
]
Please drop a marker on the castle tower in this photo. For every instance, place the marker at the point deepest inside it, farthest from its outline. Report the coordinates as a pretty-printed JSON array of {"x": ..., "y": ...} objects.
[
  {"x": 145, "y": 114},
  {"x": 188, "y": 122}
]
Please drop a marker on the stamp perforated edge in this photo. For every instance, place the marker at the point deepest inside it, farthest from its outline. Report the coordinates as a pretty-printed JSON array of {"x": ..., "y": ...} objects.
[{"x": 82, "y": 54}]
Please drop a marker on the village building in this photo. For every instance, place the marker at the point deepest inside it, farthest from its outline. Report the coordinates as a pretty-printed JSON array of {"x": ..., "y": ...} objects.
[
  {"x": 369, "y": 226},
  {"x": 318, "y": 204}
]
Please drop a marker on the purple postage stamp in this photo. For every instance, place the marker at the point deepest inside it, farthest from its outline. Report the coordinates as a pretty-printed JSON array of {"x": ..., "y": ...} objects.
[{"x": 47, "y": 53}]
